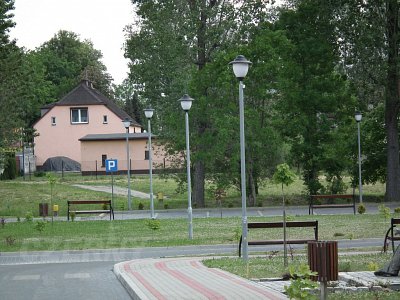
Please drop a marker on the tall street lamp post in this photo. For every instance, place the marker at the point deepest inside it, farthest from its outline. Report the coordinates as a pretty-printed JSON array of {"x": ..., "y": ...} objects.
[
  {"x": 186, "y": 104},
  {"x": 358, "y": 117},
  {"x": 148, "y": 112},
  {"x": 240, "y": 67},
  {"x": 127, "y": 123}
]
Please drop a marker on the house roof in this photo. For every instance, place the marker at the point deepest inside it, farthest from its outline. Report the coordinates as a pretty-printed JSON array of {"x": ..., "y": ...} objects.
[
  {"x": 85, "y": 94},
  {"x": 115, "y": 136}
]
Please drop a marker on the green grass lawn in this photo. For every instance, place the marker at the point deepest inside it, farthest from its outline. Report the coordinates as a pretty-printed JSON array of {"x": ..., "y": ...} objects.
[
  {"x": 18, "y": 197},
  {"x": 174, "y": 232}
]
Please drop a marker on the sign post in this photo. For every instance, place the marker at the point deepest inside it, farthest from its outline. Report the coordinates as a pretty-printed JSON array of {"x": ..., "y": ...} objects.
[{"x": 111, "y": 167}]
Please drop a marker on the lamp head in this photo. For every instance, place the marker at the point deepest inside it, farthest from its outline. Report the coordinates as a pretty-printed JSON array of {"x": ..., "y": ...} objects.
[
  {"x": 186, "y": 102},
  {"x": 358, "y": 116},
  {"x": 148, "y": 112},
  {"x": 127, "y": 122},
  {"x": 240, "y": 67}
]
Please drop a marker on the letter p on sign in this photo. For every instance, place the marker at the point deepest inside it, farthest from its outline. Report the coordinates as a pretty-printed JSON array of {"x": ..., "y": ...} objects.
[{"x": 111, "y": 165}]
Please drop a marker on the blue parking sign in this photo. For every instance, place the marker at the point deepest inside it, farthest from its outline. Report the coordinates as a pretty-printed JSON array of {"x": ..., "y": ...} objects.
[{"x": 111, "y": 165}]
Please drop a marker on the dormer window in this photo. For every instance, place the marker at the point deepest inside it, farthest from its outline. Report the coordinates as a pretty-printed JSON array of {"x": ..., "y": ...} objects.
[
  {"x": 105, "y": 119},
  {"x": 53, "y": 121},
  {"x": 79, "y": 115}
]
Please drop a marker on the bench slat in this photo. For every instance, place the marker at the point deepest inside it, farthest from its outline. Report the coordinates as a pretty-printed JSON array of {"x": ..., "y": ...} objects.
[
  {"x": 279, "y": 242},
  {"x": 332, "y": 205},
  {"x": 90, "y": 211},
  {"x": 280, "y": 224},
  {"x": 333, "y": 196},
  {"x": 89, "y": 202}
]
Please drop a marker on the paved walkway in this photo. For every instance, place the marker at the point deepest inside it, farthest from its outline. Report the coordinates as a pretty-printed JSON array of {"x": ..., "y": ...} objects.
[
  {"x": 186, "y": 278},
  {"x": 116, "y": 190}
]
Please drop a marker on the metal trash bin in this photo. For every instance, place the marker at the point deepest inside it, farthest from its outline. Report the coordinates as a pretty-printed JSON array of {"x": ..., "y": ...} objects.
[
  {"x": 43, "y": 209},
  {"x": 55, "y": 210}
]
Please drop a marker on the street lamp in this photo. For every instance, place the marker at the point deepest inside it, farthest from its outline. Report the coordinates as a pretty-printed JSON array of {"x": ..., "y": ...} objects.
[
  {"x": 358, "y": 117},
  {"x": 240, "y": 67},
  {"x": 148, "y": 112},
  {"x": 127, "y": 123},
  {"x": 186, "y": 104}
]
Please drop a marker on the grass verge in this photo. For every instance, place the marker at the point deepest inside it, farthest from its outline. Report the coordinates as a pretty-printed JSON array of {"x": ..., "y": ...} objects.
[{"x": 28, "y": 236}]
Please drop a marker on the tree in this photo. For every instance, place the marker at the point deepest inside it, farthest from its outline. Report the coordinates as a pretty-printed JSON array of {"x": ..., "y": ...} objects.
[
  {"x": 128, "y": 99},
  {"x": 315, "y": 99},
  {"x": 284, "y": 176},
  {"x": 67, "y": 60},
  {"x": 170, "y": 45},
  {"x": 10, "y": 61},
  {"x": 369, "y": 44}
]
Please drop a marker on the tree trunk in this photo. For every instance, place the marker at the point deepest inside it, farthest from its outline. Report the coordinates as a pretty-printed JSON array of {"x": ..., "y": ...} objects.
[
  {"x": 199, "y": 166},
  {"x": 392, "y": 105},
  {"x": 198, "y": 184},
  {"x": 251, "y": 188}
]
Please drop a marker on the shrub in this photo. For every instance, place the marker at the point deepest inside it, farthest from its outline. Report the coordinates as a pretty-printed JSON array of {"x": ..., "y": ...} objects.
[
  {"x": 397, "y": 210},
  {"x": 384, "y": 211},
  {"x": 361, "y": 209},
  {"x": 301, "y": 283},
  {"x": 153, "y": 224},
  {"x": 40, "y": 225},
  {"x": 39, "y": 173},
  {"x": 373, "y": 266},
  {"x": 28, "y": 217},
  {"x": 10, "y": 167},
  {"x": 140, "y": 206},
  {"x": 336, "y": 234},
  {"x": 10, "y": 240},
  {"x": 72, "y": 214},
  {"x": 165, "y": 205}
]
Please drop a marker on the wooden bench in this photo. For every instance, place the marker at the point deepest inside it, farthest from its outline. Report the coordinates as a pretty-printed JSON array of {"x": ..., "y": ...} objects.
[
  {"x": 390, "y": 234},
  {"x": 97, "y": 211},
  {"x": 289, "y": 224},
  {"x": 313, "y": 205}
]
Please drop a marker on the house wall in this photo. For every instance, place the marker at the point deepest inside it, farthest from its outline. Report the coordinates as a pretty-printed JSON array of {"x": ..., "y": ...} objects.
[
  {"x": 92, "y": 152},
  {"x": 62, "y": 139}
]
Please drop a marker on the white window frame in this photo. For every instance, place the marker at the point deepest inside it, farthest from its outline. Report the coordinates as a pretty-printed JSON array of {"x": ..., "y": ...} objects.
[{"x": 80, "y": 109}]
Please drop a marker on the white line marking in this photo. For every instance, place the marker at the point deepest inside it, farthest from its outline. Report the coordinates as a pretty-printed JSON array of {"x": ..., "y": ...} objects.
[
  {"x": 76, "y": 275},
  {"x": 26, "y": 277}
]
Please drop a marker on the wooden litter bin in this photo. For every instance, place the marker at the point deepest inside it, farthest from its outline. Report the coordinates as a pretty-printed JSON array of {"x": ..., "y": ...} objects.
[{"x": 323, "y": 259}]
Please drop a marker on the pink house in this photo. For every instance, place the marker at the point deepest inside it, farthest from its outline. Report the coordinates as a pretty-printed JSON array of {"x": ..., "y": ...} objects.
[{"x": 86, "y": 127}]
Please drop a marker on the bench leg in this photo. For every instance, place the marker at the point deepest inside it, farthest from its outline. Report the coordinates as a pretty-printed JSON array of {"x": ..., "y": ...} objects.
[{"x": 240, "y": 246}]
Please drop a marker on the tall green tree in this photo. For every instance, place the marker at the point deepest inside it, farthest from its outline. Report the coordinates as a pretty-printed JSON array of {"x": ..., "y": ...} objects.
[
  {"x": 10, "y": 61},
  {"x": 171, "y": 44},
  {"x": 315, "y": 97},
  {"x": 369, "y": 40},
  {"x": 128, "y": 99},
  {"x": 67, "y": 60}
]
